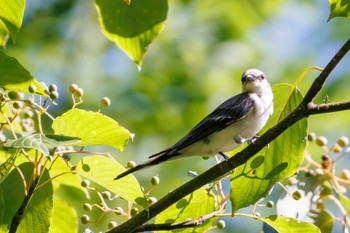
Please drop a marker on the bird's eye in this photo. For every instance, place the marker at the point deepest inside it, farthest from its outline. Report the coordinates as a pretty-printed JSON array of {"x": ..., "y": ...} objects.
[
  {"x": 261, "y": 77},
  {"x": 244, "y": 79}
]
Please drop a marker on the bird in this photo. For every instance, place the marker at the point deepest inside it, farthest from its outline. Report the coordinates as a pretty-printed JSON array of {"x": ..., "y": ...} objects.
[{"x": 235, "y": 121}]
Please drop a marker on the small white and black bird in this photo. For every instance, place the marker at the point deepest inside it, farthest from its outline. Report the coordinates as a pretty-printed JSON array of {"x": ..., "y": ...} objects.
[{"x": 232, "y": 123}]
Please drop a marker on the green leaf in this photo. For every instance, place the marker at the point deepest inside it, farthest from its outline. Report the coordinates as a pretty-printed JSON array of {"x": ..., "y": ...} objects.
[
  {"x": 64, "y": 218},
  {"x": 253, "y": 181},
  {"x": 289, "y": 225},
  {"x": 38, "y": 213},
  {"x": 102, "y": 171},
  {"x": 41, "y": 142},
  {"x": 193, "y": 206},
  {"x": 92, "y": 128},
  {"x": 15, "y": 77},
  {"x": 11, "y": 16},
  {"x": 132, "y": 27},
  {"x": 6, "y": 166},
  {"x": 339, "y": 8},
  {"x": 323, "y": 219}
]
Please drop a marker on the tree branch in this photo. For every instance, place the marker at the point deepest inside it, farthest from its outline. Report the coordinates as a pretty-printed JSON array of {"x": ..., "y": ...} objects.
[{"x": 305, "y": 108}]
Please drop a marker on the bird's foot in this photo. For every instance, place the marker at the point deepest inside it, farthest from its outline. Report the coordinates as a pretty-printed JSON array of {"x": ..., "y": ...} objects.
[
  {"x": 254, "y": 138},
  {"x": 223, "y": 155}
]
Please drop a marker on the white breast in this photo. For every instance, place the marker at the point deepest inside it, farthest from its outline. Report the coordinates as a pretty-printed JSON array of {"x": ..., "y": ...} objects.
[{"x": 246, "y": 127}]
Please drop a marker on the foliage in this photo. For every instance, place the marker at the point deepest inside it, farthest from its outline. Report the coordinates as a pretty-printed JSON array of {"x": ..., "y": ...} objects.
[{"x": 38, "y": 165}]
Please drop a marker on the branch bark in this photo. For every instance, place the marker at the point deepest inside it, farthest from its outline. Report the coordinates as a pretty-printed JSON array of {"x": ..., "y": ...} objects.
[{"x": 305, "y": 108}]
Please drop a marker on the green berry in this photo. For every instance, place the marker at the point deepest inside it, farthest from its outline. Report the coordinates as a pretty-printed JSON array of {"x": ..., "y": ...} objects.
[
  {"x": 106, "y": 195},
  {"x": 152, "y": 200},
  {"x": 112, "y": 225},
  {"x": 16, "y": 105},
  {"x": 320, "y": 204},
  {"x": 221, "y": 224},
  {"x": 66, "y": 157},
  {"x": 336, "y": 148},
  {"x": 54, "y": 95},
  {"x": 13, "y": 95},
  {"x": 155, "y": 180},
  {"x": 311, "y": 137},
  {"x": 85, "y": 167},
  {"x": 297, "y": 195},
  {"x": 270, "y": 204},
  {"x": 343, "y": 141},
  {"x": 321, "y": 141},
  {"x": 105, "y": 102},
  {"x": 32, "y": 88},
  {"x": 118, "y": 210},
  {"x": 134, "y": 211},
  {"x": 131, "y": 164},
  {"x": 52, "y": 88},
  {"x": 85, "y": 219},
  {"x": 85, "y": 183},
  {"x": 345, "y": 174},
  {"x": 87, "y": 207},
  {"x": 78, "y": 92},
  {"x": 73, "y": 88}
]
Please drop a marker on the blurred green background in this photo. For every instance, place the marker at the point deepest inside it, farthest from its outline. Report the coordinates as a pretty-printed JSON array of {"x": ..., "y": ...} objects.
[{"x": 194, "y": 64}]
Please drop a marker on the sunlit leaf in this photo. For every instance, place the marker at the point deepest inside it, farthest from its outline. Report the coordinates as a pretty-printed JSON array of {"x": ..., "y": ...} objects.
[
  {"x": 103, "y": 170},
  {"x": 323, "y": 219},
  {"x": 281, "y": 158},
  {"x": 132, "y": 25},
  {"x": 38, "y": 213},
  {"x": 6, "y": 166},
  {"x": 11, "y": 16},
  {"x": 64, "y": 218},
  {"x": 191, "y": 207},
  {"x": 289, "y": 225},
  {"x": 92, "y": 128},
  {"x": 15, "y": 77},
  {"x": 339, "y": 8},
  {"x": 41, "y": 142}
]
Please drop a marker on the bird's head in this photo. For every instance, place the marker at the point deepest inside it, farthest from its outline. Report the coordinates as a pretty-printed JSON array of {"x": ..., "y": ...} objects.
[{"x": 254, "y": 81}]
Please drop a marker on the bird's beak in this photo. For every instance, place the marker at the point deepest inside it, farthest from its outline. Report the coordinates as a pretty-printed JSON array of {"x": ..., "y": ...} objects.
[{"x": 250, "y": 78}]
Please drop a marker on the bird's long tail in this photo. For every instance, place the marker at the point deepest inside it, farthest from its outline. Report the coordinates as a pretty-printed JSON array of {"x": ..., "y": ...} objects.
[{"x": 161, "y": 157}]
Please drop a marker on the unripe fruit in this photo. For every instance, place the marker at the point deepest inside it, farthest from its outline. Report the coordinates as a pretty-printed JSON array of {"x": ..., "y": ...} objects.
[
  {"x": 13, "y": 95},
  {"x": 118, "y": 210},
  {"x": 85, "y": 167},
  {"x": 151, "y": 200},
  {"x": 105, "y": 102},
  {"x": 155, "y": 180},
  {"x": 320, "y": 204},
  {"x": 16, "y": 105},
  {"x": 321, "y": 141},
  {"x": 87, "y": 207},
  {"x": 52, "y": 88},
  {"x": 297, "y": 195},
  {"x": 112, "y": 225},
  {"x": 336, "y": 148},
  {"x": 270, "y": 204},
  {"x": 131, "y": 164},
  {"x": 311, "y": 137},
  {"x": 106, "y": 195},
  {"x": 78, "y": 92},
  {"x": 343, "y": 141},
  {"x": 221, "y": 224},
  {"x": 85, "y": 219},
  {"x": 73, "y": 88},
  {"x": 85, "y": 183},
  {"x": 32, "y": 88},
  {"x": 54, "y": 95},
  {"x": 345, "y": 174},
  {"x": 134, "y": 211}
]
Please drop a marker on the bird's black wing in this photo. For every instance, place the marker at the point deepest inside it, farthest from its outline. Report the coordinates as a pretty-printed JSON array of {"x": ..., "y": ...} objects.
[{"x": 233, "y": 109}]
